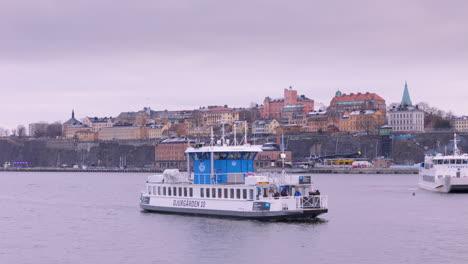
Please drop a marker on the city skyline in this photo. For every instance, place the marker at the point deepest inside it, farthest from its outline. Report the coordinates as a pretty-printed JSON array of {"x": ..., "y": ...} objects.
[{"x": 104, "y": 58}]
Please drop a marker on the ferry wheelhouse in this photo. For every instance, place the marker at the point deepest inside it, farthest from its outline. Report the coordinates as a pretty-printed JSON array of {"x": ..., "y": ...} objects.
[
  {"x": 445, "y": 173},
  {"x": 223, "y": 183}
]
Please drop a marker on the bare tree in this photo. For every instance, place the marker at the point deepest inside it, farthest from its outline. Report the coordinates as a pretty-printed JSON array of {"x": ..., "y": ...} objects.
[
  {"x": 14, "y": 133},
  {"x": 21, "y": 130},
  {"x": 2, "y": 131},
  {"x": 54, "y": 130}
]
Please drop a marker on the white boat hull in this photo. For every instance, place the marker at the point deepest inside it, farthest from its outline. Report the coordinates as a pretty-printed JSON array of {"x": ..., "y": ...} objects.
[
  {"x": 282, "y": 208},
  {"x": 270, "y": 215},
  {"x": 445, "y": 184}
]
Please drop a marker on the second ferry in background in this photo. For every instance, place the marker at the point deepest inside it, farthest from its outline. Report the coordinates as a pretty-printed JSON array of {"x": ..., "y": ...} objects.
[{"x": 445, "y": 173}]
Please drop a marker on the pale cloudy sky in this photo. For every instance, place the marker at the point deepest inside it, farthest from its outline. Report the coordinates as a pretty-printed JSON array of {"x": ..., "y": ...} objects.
[{"x": 101, "y": 57}]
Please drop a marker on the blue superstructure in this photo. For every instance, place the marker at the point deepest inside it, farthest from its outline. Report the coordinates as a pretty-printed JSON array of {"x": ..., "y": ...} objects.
[{"x": 230, "y": 163}]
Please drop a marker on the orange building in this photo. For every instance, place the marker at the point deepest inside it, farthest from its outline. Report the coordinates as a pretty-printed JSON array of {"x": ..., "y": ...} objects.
[
  {"x": 214, "y": 116},
  {"x": 122, "y": 131},
  {"x": 318, "y": 121},
  {"x": 361, "y": 121},
  {"x": 86, "y": 136}
]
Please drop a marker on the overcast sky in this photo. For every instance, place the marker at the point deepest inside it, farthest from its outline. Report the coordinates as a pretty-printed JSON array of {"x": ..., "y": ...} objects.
[{"x": 102, "y": 57}]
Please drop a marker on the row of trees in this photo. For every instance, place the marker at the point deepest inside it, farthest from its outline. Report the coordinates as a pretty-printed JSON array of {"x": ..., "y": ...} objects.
[
  {"x": 45, "y": 131},
  {"x": 19, "y": 131}
]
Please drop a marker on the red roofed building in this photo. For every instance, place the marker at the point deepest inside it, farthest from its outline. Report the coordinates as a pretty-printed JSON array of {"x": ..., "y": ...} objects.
[
  {"x": 276, "y": 108},
  {"x": 356, "y": 102}
]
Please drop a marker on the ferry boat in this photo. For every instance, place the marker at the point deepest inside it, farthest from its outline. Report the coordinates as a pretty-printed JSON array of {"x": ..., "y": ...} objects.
[
  {"x": 224, "y": 184},
  {"x": 445, "y": 173}
]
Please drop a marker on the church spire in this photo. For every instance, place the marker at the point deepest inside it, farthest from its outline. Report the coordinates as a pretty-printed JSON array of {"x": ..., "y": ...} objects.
[
  {"x": 406, "y": 100},
  {"x": 73, "y": 113}
]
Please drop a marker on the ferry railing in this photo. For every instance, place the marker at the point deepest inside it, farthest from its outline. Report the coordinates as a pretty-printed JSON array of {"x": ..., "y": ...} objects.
[
  {"x": 314, "y": 201},
  {"x": 236, "y": 178}
]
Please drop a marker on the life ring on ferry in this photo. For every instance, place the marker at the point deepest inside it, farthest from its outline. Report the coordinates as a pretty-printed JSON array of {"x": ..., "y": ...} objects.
[{"x": 249, "y": 174}]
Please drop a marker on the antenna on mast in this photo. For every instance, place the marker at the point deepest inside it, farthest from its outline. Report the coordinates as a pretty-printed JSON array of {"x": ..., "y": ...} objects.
[
  {"x": 283, "y": 155},
  {"x": 235, "y": 135},
  {"x": 212, "y": 137},
  {"x": 245, "y": 135},
  {"x": 456, "y": 151},
  {"x": 223, "y": 138}
]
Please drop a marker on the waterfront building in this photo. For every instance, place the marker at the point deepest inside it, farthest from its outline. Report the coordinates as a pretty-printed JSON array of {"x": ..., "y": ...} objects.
[
  {"x": 38, "y": 129},
  {"x": 367, "y": 121},
  {"x": 86, "y": 136},
  {"x": 96, "y": 123},
  {"x": 299, "y": 119},
  {"x": 170, "y": 153},
  {"x": 406, "y": 117},
  {"x": 72, "y": 125},
  {"x": 157, "y": 130},
  {"x": 200, "y": 131},
  {"x": 264, "y": 126},
  {"x": 216, "y": 115},
  {"x": 272, "y": 158},
  {"x": 317, "y": 121},
  {"x": 123, "y": 131},
  {"x": 355, "y": 102},
  {"x": 288, "y": 129},
  {"x": 70, "y": 131},
  {"x": 286, "y": 106},
  {"x": 460, "y": 124}
]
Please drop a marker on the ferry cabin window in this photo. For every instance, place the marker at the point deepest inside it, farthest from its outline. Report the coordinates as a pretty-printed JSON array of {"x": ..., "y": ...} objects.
[
  {"x": 446, "y": 162},
  {"x": 238, "y": 191},
  {"x": 234, "y": 156},
  {"x": 202, "y": 192},
  {"x": 180, "y": 192},
  {"x": 191, "y": 192},
  {"x": 251, "y": 194},
  {"x": 220, "y": 193},
  {"x": 247, "y": 155},
  {"x": 175, "y": 191},
  {"x": 232, "y": 193},
  {"x": 465, "y": 161},
  {"x": 207, "y": 192},
  {"x": 164, "y": 191},
  {"x": 169, "y": 193},
  {"x": 149, "y": 190},
  {"x": 213, "y": 193},
  {"x": 159, "y": 190},
  {"x": 185, "y": 191},
  {"x": 226, "y": 193},
  {"x": 222, "y": 156},
  {"x": 452, "y": 161},
  {"x": 459, "y": 161},
  {"x": 244, "y": 193},
  {"x": 154, "y": 190},
  {"x": 265, "y": 192}
]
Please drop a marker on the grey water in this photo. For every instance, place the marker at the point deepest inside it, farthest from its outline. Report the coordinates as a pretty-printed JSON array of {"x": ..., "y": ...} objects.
[{"x": 95, "y": 218}]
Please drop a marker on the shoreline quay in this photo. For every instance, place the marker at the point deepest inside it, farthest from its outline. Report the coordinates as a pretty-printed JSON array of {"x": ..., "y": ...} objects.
[{"x": 272, "y": 170}]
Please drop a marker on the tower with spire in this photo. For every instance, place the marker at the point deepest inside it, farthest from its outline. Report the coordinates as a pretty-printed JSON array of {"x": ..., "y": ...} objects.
[
  {"x": 406, "y": 117},
  {"x": 406, "y": 100}
]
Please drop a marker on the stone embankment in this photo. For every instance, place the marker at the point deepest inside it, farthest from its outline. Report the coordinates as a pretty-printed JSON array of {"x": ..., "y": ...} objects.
[
  {"x": 52, "y": 169},
  {"x": 332, "y": 170},
  {"x": 139, "y": 154}
]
